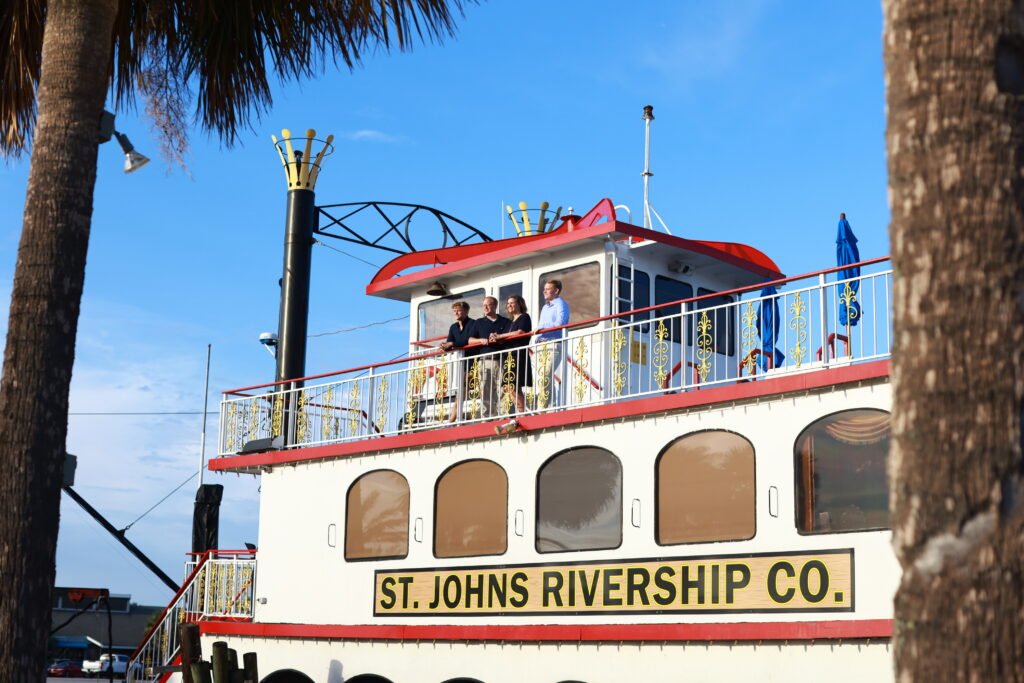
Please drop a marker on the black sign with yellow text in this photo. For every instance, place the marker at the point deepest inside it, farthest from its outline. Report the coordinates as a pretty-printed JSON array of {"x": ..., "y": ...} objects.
[{"x": 804, "y": 581}]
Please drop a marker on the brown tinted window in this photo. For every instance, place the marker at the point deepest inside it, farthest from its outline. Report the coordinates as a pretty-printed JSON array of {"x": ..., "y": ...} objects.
[
  {"x": 706, "y": 489},
  {"x": 841, "y": 480},
  {"x": 377, "y": 519},
  {"x": 471, "y": 510},
  {"x": 579, "y": 501},
  {"x": 581, "y": 289}
]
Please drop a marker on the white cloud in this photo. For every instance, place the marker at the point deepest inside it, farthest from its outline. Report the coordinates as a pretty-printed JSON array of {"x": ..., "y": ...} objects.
[{"x": 370, "y": 135}]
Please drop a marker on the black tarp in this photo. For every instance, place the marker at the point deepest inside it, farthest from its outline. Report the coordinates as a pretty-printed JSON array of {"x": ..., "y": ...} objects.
[{"x": 206, "y": 517}]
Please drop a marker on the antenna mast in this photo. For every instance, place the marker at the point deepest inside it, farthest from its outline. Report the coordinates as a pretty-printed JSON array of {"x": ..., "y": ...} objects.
[{"x": 648, "y": 117}]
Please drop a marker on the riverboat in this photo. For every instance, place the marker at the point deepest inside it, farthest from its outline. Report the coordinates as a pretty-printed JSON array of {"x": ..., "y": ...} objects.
[{"x": 686, "y": 482}]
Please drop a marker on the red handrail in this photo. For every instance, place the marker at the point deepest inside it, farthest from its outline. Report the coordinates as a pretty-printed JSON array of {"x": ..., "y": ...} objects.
[
  {"x": 203, "y": 557},
  {"x": 581, "y": 323}
]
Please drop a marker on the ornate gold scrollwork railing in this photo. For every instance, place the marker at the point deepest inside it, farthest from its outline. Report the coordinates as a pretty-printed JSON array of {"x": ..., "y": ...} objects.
[
  {"x": 705, "y": 344},
  {"x": 508, "y": 383},
  {"x": 749, "y": 337},
  {"x": 798, "y": 323},
  {"x": 582, "y": 365},
  {"x": 383, "y": 403},
  {"x": 659, "y": 355},
  {"x": 473, "y": 392},
  {"x": 355, "y": 408},
  {"x": 618, "y": 364},
  {"x": 542, "y": 392}
]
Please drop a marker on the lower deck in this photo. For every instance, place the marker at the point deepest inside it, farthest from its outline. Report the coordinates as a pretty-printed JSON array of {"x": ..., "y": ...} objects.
[
  {"x": 630, "y": 520},
  {"x": 738, "y": 540}
]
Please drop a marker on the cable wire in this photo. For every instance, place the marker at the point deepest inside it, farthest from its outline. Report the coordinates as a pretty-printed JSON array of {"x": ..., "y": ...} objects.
[
  {"x": 191, "y": 477},
  {"x": 322, "y": 244},
  {"x": 360, "y": 327}
]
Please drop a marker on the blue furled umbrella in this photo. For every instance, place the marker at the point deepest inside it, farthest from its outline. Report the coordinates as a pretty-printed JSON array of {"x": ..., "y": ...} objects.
[
  {"x": 847, "y": 253},
  {"x": 768, "y": 327}
]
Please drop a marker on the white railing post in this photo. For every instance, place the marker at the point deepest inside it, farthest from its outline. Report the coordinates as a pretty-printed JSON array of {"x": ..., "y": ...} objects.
[{"x": 823, "y": 324}]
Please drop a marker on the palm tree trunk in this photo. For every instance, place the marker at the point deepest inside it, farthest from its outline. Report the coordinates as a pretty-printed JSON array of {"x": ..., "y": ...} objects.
[
  {"x": 45, "y": 303},
  {"x": 955, "y": 80}
]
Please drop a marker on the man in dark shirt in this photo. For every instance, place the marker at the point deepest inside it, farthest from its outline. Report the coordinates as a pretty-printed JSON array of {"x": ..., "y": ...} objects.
[
  {"x": 458, "y": 333},
  {"x": 458, "y": 337},
  {"x": 490, "y": 365}
]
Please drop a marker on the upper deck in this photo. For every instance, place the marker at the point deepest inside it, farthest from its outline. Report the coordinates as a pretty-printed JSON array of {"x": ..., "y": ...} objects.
[{"x": 651, "y": 316}]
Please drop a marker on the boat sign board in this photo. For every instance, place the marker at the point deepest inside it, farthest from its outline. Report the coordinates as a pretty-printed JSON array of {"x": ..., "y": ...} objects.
[{"x": 804, "y": 581}]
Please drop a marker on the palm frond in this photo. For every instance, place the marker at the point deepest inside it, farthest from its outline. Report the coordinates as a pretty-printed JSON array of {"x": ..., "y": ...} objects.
[
  {"x": 227, "y": 45},
  {"x": 226, "y": 49},
  {"x": 22, "y": 23}
]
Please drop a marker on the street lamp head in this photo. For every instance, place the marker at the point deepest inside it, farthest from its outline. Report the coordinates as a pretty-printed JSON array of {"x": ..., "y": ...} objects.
[{"x": 133, "y": 161}]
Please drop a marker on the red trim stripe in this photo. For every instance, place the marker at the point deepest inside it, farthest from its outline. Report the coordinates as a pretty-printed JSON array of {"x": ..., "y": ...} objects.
[
  {"x": 641, "y": 406},
  {"x": 778, "y": 630}
]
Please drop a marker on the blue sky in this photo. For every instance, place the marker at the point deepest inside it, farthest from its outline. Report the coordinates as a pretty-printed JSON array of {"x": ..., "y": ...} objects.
[{"x": 769, "y": 122}]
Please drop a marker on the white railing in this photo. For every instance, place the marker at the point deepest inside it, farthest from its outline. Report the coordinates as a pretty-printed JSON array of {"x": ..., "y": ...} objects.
[
  {"x": 217, "y": 586},
  {"x": 690, "y": 345}
]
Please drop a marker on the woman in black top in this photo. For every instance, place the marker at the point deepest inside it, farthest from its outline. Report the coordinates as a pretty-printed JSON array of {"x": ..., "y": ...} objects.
[{"x": 521, "y": 327}]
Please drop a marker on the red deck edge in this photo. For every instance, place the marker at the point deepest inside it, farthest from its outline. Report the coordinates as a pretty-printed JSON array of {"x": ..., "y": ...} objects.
[
  {"x": 777, "y": 630},
  {"x": 640, "y": 406}
]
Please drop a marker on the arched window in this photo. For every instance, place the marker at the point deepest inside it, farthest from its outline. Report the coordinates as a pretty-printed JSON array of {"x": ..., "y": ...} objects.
[
  {"x": 840, "y": 468},
  {"x": 579, "y": 501},
  {"x": 377, "y": 517},
  {"x": 367, "y": 678},
  {"x": 471, "y": 510},
  {"x": 705, "y": 489}
]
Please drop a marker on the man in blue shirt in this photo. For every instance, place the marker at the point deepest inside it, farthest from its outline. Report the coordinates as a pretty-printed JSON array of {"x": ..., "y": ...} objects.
[
  {"x": 490, "y": 358},
  {"x": 554, "y": 313}
]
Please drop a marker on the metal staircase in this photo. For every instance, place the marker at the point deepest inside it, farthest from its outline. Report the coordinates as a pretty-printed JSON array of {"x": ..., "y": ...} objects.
[{"x": 218, "y": 587}]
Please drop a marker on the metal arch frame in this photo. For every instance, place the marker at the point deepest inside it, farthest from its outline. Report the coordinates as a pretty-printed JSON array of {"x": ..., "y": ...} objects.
[{"x": 400, "y": 227}]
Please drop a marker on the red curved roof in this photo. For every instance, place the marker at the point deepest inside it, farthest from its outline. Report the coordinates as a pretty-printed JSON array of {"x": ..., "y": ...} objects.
[{"x": 599, "y": 220}]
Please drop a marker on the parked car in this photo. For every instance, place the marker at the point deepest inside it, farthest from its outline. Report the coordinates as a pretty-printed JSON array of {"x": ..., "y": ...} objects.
[
  {"x": 64, "y": 668},
  {"x": 101, "y": 666}
]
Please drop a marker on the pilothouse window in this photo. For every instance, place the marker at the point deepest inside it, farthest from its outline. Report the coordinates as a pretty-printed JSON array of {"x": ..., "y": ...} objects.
[
  {"x": 435, "y": 317},
  {"x": 665, "y": 290},
  {"x": 581, "y": 289},
  {"x": 632, "y": 298}
]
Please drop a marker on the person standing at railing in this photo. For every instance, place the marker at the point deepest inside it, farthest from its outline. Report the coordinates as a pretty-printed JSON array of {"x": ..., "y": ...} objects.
[
  {"x": 490, "y": 356},
  {"x": 458, "y": 337},
  {"x": 554, "y": 313},
  {"x": 458, "y": 333},
  {"x": 518, "y": 361}
]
